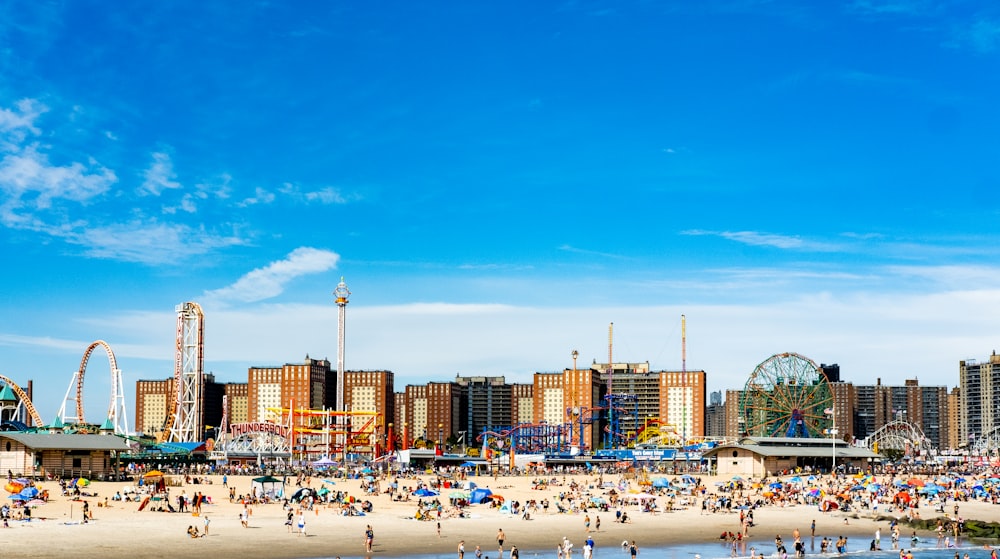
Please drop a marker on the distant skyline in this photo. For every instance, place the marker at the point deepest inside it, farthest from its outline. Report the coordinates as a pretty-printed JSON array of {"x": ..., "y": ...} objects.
[{"x": 497, "y": 183}]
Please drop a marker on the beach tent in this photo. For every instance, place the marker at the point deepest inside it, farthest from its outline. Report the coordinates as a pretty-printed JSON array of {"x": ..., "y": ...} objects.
[
  {"x": 480, "y": 495},
  {"x": 424, "y": 492},
  {"x": 661, "y": 482},
  {"x": 267, "y": 485}
]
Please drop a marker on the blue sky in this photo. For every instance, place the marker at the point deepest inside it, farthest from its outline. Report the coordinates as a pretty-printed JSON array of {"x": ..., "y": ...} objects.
[{"x": 498, "y": 182}]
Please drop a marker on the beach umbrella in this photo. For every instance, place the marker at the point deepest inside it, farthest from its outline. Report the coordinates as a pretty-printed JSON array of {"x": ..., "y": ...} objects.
[
  {"x": 467, "y": 465},
  {"x": 29, "y": 492},
  {"x": 424, "y": 492},
  {"x": 496, "y": 497},
  {"x": 330, "y": 481},
  {"x": 902, "y": 497},
  {"x": 795, "y": 479},
  {"x": 874, "y": 487},
  {"x": 775, "y": 485},
  {"x": 915, "y": 482},
  {"x": 82, "y": 482},
  {"x": 737, "y": 478},
  {"x": 368, "y": 471},
  {"x": 645, "y": 496},
  {"x": 811, "y": 479},
  {"x": 458, "y": 495},
  {"x": 17, "y": 497}
]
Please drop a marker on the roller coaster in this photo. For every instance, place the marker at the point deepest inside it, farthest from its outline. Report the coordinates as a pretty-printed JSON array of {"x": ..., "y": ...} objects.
[{"x": 22, "y": 414}]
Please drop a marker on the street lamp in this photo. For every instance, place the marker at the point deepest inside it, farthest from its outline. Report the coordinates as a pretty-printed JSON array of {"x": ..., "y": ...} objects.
[{"x": 832, "y": 412}]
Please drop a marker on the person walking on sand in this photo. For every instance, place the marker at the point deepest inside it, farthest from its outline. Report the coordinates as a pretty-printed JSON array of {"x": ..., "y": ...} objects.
[
  {"x": 302, "y": 523},
  {"x": 206, "y": 522},
  {"x": 461, "y": 549},
  {"x": 812, "y": 528},
  {"x": 597, "y": 523},
  {"x": 369, "y": 538},
  {"x": 586, "y": 523},
  {"x": 500, "y": 538}
]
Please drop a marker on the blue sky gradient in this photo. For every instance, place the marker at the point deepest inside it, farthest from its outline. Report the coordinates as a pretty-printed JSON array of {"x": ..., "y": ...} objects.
[{"x": 498, "y": 182}]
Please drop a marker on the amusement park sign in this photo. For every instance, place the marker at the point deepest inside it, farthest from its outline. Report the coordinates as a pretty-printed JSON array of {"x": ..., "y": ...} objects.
[{"x": 238, "y": 429}]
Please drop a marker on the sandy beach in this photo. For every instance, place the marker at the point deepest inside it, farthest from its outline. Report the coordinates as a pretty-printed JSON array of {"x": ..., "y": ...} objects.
[{"x": 120, "y": 530}]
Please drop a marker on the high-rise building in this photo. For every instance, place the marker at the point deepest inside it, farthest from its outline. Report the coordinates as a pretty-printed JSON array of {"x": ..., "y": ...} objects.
[
  {"x": 954, "y": 419},
  {"x": 522, "y": 403},
  {"x": 844, "y": 408},
  {"x": 715, "y": 416},
  {"x": 979, "y": 383},
  {"x": 549, "y": 400},
  {"x": 735, "y": 427},
  {"x": 370, "y": 391},
  {"x": 292, "y": 385},
  {"x": 682, "y": 402},
  {"x": 154, "y": 404},
  {"x": 489, "y": 404},
  {"x": 237, "y": 401},
  {"x": 434, "y": 411}
]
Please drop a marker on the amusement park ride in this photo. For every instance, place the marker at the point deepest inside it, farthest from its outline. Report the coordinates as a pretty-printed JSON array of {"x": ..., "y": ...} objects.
[{"x": 787, "y": 395}]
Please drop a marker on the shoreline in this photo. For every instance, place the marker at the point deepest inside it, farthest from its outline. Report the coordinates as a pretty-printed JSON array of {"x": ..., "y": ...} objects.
[{"x": 121, "y": 530}]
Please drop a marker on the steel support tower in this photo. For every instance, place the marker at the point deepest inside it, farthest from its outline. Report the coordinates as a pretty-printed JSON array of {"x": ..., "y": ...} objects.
[
  {"x": 341, "y": 294},
  {"x": 189, "y": 374}
]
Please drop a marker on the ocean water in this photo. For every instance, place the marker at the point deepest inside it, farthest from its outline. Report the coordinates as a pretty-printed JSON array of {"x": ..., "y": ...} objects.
[{"x": 856, "y": 549}]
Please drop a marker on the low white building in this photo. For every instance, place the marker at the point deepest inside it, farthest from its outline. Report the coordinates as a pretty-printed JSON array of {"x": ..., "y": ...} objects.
[{"x": 765, "y": 456}]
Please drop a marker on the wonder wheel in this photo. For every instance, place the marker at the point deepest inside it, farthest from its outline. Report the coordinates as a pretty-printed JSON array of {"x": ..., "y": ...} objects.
[{"x": 786, "y": 396}]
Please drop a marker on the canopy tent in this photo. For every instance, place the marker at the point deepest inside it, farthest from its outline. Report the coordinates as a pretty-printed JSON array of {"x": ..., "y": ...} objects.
[
  {"x": 324, "y": 462},
  {"x": 267, "y": 485}
]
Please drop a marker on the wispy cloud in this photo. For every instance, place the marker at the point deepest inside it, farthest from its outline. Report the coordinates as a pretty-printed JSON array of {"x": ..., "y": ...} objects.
[
  {"x": 159, "y": 176},
  {"x": 576, "y": 250},
  {"x": 261, "y": 196},
  {"x": 22, "y": 118},
  {"x": 891, "y": 7},
  {"x": 756, "y": 238},
  {"x": 327, "y": 195},
  {"x": 30, "y": 183},
  {"x": 269, "y": 281},
  {"x": 148, "y": 241},
  {"x": 981, "y": 35}
]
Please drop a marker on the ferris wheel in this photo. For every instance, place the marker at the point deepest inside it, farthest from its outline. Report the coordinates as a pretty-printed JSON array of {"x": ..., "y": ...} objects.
[{"x": 787, "y": 395}]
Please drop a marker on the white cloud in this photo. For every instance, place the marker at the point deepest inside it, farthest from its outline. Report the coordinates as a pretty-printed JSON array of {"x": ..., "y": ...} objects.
[
  {"x": 149, "y": 241},
  {"x": 31, "y": 183},
  {"x": 261, "y": 196},
  {"x": 269, "y": 281},
  {"x": 328, "y": 195},
  {"x": 22, "y": 118},
  {"x": 756, "y": 238},
  {"x": 159, "y": 175},
  {"x": 575, "y": 250}
]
